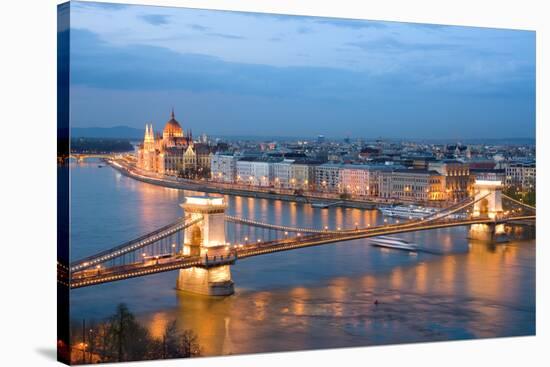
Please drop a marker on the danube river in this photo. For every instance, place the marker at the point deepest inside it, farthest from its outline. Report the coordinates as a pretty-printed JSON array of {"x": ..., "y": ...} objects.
[{"x": 319, "y": 297}]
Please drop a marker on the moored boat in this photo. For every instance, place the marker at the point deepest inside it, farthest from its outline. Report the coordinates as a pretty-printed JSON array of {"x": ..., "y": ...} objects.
[{"x": 407, "y": 211}]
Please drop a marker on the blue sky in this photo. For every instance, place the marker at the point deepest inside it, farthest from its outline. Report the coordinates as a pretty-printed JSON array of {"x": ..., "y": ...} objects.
[{"x": 231, "y": 73}]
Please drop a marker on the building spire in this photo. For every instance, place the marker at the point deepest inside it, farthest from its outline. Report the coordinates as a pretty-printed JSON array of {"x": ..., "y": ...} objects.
[
  {"x": 146, "y": 131},
  {"x": 172, "y": 116}
]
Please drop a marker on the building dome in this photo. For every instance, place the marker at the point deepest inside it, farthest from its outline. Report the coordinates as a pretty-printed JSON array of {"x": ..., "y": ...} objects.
[{"x": 172, "y": 128}]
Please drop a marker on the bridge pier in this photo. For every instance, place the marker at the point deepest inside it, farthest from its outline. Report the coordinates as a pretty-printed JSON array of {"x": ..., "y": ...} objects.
[
  {"x": 206, "y": 281},
  {"x": 488, "y": 233},
  {"x": 488, "y": 204},
  {"x": 482, "y": 232},
  {"x": 206, "y": 239}
]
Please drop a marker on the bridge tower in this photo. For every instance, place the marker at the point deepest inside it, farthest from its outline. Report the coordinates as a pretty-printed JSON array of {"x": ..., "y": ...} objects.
[
  {"x": 206, "y": 239},
  {"x": 488, "y": 204},
  {"x": 488, "y": 199}
]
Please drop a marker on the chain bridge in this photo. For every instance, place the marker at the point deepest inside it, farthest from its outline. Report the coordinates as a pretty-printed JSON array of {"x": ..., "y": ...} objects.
[{"x": 197, "y": 244}]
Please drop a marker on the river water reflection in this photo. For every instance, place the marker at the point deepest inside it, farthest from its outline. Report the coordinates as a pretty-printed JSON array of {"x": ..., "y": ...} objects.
[{"x": 310, "y": 298}]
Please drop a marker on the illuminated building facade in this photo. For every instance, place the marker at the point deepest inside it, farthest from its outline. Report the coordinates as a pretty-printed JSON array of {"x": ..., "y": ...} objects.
[
  {"x": 254, "y": 172},
  {"x": 223, "y": 168},
  {"x": 522, "y": 176},
  {"x": 412, "y": 184},
  {"x": 327, "y": 177},
  {"x": 173, "y": 152},
  {"x": 282, "y": 174},
  {"x": 302, "y": 176},
  {"x": 456, "y": 178}
]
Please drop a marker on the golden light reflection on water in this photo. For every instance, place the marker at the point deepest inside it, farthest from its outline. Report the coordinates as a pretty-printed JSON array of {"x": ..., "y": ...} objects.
[
  {"x": 368, "y": 282},
  {"x": 209, "y": 317},
  {"x": 251, "y": 207},
  {"x": 488, "y": 281},
  {"x": 325, "y": 218},
  {"x": 293, "y": 214},
  {"x": 261, "y": 301},
  {"x": 421, "y": 277},
  {"x": 299, "y": 298},
  {"x": 238, "y": 205},
  {"x": 338, "y": 291},
  {"x": 284, "y": 319},
  {"x": 397, "y": 278},
  {"x": 158, "y": 324},
  {"x": 264, "y": 206},
  {"x": 448, "y": 273},
  {"x": 278, "y": 209},
  {"x": 339, "y": 219}
]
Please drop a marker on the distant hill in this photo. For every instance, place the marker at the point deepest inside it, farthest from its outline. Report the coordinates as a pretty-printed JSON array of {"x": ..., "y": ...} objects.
[{"x": 123, "y": 132}]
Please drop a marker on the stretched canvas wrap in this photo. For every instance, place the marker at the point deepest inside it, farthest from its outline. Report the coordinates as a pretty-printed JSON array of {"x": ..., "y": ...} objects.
[{"x": 234, "y": 182}]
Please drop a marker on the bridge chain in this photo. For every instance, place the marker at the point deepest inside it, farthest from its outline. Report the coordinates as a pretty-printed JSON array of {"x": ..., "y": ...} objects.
[{"x": 133, "y": 245}]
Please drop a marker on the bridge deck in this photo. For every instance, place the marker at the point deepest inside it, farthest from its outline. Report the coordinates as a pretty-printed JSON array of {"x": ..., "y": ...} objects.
[
  {"x": 133, "y": 245},
  {"x": 85, "y": 278}
]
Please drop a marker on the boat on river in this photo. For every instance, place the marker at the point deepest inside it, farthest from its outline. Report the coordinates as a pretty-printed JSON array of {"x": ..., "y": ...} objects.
[
  {"x": 393, "y": 243},
  {"x": 322, "y": 205},
  {"x": 407, "y": 211}
]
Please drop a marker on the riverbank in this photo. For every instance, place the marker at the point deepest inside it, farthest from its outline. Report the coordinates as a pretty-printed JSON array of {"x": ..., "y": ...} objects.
[
  {"x": 217, "y": 188},
  {"x": 283, "y": 300}
]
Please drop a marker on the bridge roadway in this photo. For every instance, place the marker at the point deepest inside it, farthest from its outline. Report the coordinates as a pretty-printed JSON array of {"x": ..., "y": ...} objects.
[
  {"x": 134, "y": 244},
  {"x": 84, "y": 278}
]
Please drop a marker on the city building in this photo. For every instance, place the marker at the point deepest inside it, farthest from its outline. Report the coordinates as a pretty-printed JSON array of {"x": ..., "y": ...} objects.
[
  {"x": 412, "y": 184},
  {"x": 282, "y": 174},
  {"x": 456, "y": 178},
  {"x": 522, "y": 176},
  {"x": 368, "y": 153},
  {"x": 359, "y": 179},
  {"x": 254, "y": 171},
  {"x": 457, "y": 151},
  {"x": 302, "y": 175},
  {"x": 223, "y": 168},
  {"x": 488, "y": 174},
  {"x": 174, "y": 152},
  {"x": 327, "y": 177}
]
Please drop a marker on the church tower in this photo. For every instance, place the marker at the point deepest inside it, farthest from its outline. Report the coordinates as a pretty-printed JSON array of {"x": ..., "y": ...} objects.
[{"x": 149, "y": 141}]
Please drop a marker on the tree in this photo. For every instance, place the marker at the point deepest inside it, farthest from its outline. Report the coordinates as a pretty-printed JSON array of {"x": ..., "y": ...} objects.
[
  {"x": 122, "y": 338},
  {"x": 166, "y": 346},
  {"x": 127, "y": 340},
  {"x": 189, "y": 345},
  {"x": 173, "y": 344}
]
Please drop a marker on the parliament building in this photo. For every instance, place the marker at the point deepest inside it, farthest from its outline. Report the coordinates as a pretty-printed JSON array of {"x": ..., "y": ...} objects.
[{"x": 174, "y": 152}]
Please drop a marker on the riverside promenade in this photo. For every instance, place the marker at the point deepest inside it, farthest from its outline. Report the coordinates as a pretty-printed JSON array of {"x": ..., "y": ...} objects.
[{"x": 130, "y": 170}]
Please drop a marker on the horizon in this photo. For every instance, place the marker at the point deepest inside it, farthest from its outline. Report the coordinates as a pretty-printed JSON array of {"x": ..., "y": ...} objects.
[
  {"x": 298, "y": 75},
  {"x": 302, "y": 137}
]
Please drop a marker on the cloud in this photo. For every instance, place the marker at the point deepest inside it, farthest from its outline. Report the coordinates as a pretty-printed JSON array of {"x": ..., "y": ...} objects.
[
  {"x": 304, "y": 30},
  {"x": 198, "y": 27},
  {"x": 155, "y": 19},
  {"x": 393, "y": 45},
  {"x": 397, "y": 72},
  {"x": 100, "y": 5},
  {"x": 429, "y": 26},
  {"x": 226, "y": 36},
  {"x": 351, "y": 23},
  {"x": 97, "y": 64}
]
